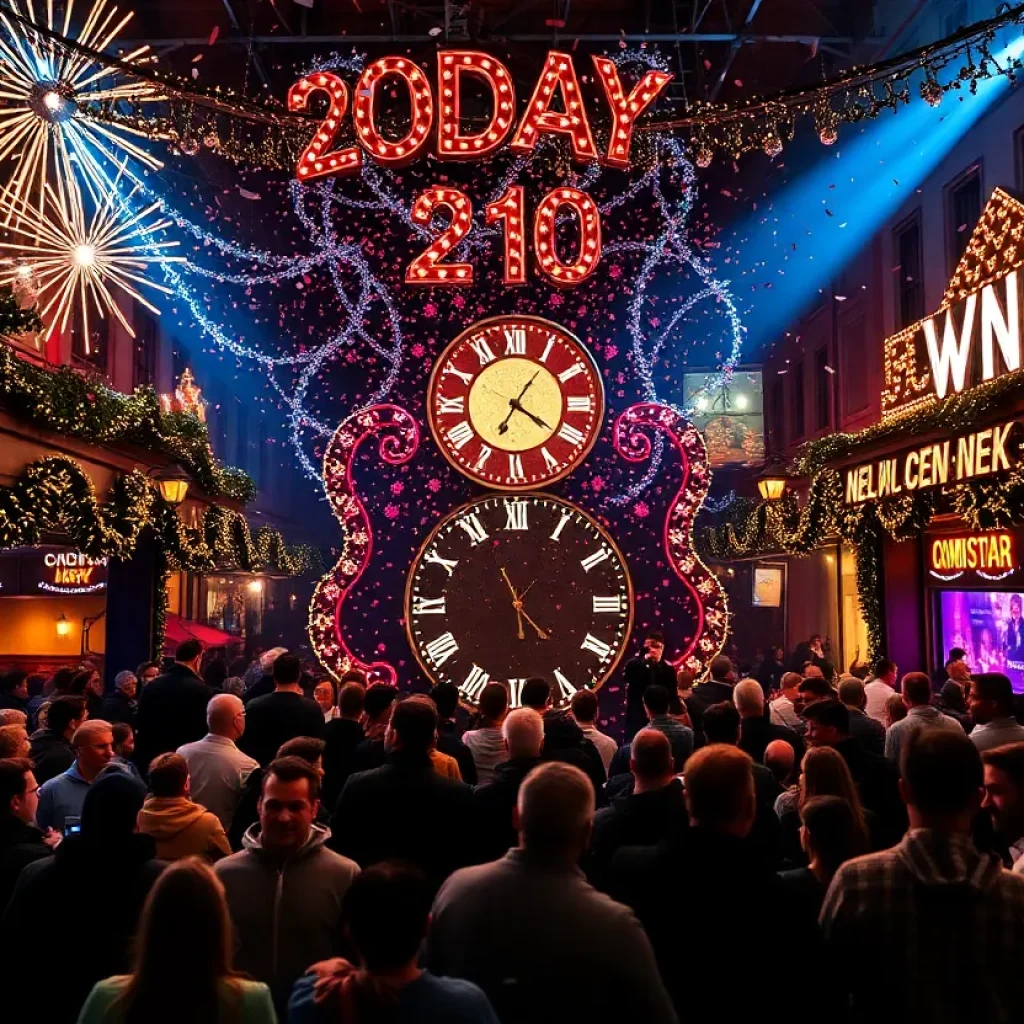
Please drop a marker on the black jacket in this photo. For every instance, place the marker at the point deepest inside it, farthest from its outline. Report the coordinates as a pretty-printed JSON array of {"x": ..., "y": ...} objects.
[
  {"x": 640, "y": 819},
  {"x": 265, "y": 684},
  {"x": 770, "y": 674},
  {"x": 867, "y": 732},
  {"x": 119, "y": 874},
  {"x": 877, "y": 781},
  {"x": 404, "y": 810},
  {"x": 564, "y": 741},
  {"x": 701, "y": 698},
  {"x": 641, "y": 673},
  {"x": 118, "y": 708},
  {"x": 275, "y": 719},
  {"x": 494, "y": 803},
  {"x": 9, "y": 700},
  {"x": 20, "y": 844},
  {"x": 341, "y": 737},
  {"x": 449, "y": 741},
  {"x": 172, "y": 712},
  {"x": 51, "y": 754},
  {"x": 757, "y": 733}
]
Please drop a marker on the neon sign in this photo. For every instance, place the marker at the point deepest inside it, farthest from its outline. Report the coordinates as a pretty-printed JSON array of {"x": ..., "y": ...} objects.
[{"x": 984, "y": 552}]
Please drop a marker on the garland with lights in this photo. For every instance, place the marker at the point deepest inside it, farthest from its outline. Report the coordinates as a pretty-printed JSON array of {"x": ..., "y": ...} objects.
[
  {"x": 67, "y": 402},
  {"x": 13, "y": 319}
]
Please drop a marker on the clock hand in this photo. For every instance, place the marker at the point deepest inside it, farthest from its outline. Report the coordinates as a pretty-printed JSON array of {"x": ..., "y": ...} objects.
[
  {"x": 540, "y": 632},
  {"x": 518, "y": 407},
  {"x": 517, "y": 604},
  {"x": 512, "y": 402}
]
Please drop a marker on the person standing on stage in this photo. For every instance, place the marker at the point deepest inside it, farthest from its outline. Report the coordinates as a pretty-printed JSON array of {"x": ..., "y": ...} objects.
[{"x": 649, "y": 669}]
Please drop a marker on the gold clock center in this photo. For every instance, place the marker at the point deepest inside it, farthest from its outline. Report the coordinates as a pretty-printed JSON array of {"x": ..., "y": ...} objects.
[{"x": 529, "y": 423}]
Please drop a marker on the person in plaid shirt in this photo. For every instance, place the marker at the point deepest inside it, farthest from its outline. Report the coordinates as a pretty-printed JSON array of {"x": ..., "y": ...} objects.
[{"x": 942, "y": 924}]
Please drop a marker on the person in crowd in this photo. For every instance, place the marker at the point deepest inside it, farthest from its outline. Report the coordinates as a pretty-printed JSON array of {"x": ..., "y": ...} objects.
[
  {"x": 342, "y": 736},
  {"x": 259, "y": 677},
  {"x": 952, "y": 700},
  {"x": 955, "y": 667},
  {"x": 14, "y": 689},
  {"x": 146, "y": 673},
  {"x": 917, "y": 695},
  {"x": 50, "y": 748},
  {"x": 485, "y": 742},
  {"x": 235, "y": 686},
  {"x": 371, "y": 753},
  {"x": 895, "y": 711},
  {"x": 285, "y": 888},
  {"x": 21, "y": 842},
  {"x": 771, "y": 671},
  {"x": 991, "y": 705},
  {"x": 880, "y": 689},
  {"x": 10, "y": 716},
  {"x": 780, "y": 760},
  {"x": 685, "y": 679},
  {"x": 40, "y": 692},
  {"x": 830, "y": 835},
  {"x": 387, "y": 915},
  {"x": 648, "y": 669},
  {"x": 756, "y": 728},
  {"x": 61, "y": 798},
  {"x": 584, "y": 708},
  {"x": 445, "y": 766},
  {"x": 657, "y": 706},
  {"x": 124, "y": 748},
  {"x": 554, "y": 925},
  {"x": 122, "y": 705},
  {"x": 14, "y": 741},
  {"x": 88, "y": 684},
  {"x": 1004, "y": 798},
  {"x": 494, "y": 802},
  {"x": 172, "y": 980},
  {"x": 653, "y": 812},
  {"x": 215, "y": 672},
  {"x": 875, "y": 777},
  {"x": 824, "y": 773},
  {"x": 946, "y": 920},
  {"x": 101, "y": 874},
  {"x": 404, "y": 810},
  {"x": 172, "y": 708},
  {"x": 812, "y": 688},
  {"x": 217, "y": 769},
  {"x": 449, "y": 736},
  {"x": 782, "y": 710},
  {"x": 713, "y": 690},
  {"x": 179, "y": 827},
  {"x": 867, "y": 731},
  {"x": 278, "y": 716},
  {"x": 323, "y": 694}
]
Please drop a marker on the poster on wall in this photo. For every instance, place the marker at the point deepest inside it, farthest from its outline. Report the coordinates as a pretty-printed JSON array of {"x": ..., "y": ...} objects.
[
  {"x": 989, "y": 626},
  {"x": 767, "y": 589}
]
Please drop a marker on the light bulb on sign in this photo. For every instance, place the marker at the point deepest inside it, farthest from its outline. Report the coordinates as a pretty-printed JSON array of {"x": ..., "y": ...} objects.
[{"x": 85, "y": 255}]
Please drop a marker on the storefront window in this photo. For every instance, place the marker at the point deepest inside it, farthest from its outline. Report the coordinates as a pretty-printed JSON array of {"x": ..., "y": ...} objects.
[
  {"x": 855, "y": 630},
  {"x": 234, "y": 604}
]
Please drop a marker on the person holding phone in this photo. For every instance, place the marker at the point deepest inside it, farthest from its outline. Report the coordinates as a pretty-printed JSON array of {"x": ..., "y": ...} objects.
[{"x": 647, "y": 669}]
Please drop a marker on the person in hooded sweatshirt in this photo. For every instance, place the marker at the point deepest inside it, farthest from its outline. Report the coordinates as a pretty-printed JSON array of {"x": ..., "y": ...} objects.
[
  {"x": 98, "y": 880},
  {"x": 285, "y": 888},
  {"x": 179, "y": 827}
]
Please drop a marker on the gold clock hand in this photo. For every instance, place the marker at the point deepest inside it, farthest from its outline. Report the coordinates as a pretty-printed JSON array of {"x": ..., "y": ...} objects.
[
  {"x": 517, "y": 604},
  {"x": 540, "y": 632}
]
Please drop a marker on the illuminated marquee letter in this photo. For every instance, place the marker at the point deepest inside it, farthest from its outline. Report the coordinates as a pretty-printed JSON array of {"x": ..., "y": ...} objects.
[
  {"x": 1005, "y": 330},
  {"x": 316, "y": 160},
  {"x": 952, "y": 360},
  {"x": 452, "y": 65},
  {"x": 421, "y": 104},
  {"x": 626, "y": 109},
  {"x": 538, "y": 118}
]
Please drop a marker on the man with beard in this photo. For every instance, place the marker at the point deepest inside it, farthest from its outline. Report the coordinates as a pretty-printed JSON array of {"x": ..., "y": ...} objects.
[{"x": 1004, "y": 797}]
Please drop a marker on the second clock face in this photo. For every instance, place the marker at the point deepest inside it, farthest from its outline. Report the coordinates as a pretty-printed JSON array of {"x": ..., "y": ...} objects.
[
  {"x": 508, "y": 588},
  {"x": 515, "y": 402}
]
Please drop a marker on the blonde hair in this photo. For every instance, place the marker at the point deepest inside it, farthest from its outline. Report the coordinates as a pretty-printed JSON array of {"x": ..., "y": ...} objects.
[{"x": 11, "y": 739}]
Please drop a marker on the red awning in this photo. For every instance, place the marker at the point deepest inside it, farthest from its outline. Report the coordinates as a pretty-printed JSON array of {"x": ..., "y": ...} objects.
[{"x": 179, "y": 630}]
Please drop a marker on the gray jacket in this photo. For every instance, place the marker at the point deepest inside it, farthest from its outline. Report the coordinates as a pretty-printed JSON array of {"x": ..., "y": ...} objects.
[
  {"x": 286, "y": 916},
  {"x": 545, "y": 946}
]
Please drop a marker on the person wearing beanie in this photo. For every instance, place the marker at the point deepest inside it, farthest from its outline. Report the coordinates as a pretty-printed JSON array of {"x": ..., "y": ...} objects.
[{"x": 109, "y": 865}]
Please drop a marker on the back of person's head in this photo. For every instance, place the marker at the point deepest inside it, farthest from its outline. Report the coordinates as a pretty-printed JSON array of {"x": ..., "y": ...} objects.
[
  {"x": 884, "y": 667},
  {"x": 174, "y": 980},
  {"x": 60, "y": 681},
  {"x": 12, "y": 716},
  {"x": 378, "y": 701},
  {"x": 353, "y": 675},
  {"x": 12, "y": 781},
  {"x": 414, "y": 723},
  {"x": 63, "y": 711},
  {"x": 111, "y": 807},
  {"x": 121, "y": 731},
  {"x": 168, "y": 775},
  {"x": 584, "y": 706},
  {"x": 352, "y": 699},
  {"x": 555, "y": 810},
  {"x": 790, "y": 681},
  {"x": 12, "y": 739},
  {"x": 834, "y": 833},
  {"x": 996, "y": 687},
  {"x": 494, "y": 702},
  {"x": 748, "y": 696},
  {"x": 221, "y": 712},
  {"x": 815, "y": 688},
  {"x": 722, "y": 723},
  {"x": 536, "y": 694},
  {"x": 287, "y": 670},
  {"x": 721, "y": 669},
  {"x": 942, "y": 774},
  {"x": 719, "y": 781},
  {"x": 895, "y": 709},
  {"x": 825, "y": 773},
  {"x": 655, "y": 699},
  {"x": 81, "y": 682},
  {"x": 780, "y": 758},
  {"x": 12, "y": 679},
  {"x": 917, "y": 689},
  {"x": 309, "y": 748},
  {"x": 650, "y": 756},
  {"x": 832, "y": 714},
  {"x": 187, "y": 651},
  {"x": 851, "y": 693},
  {"x": 523, "y": 730},
  {"x": 446, "y": 699}
]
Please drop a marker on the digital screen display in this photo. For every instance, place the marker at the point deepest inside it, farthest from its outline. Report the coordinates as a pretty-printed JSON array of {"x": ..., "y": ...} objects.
[{"x": 989, "y": 626}]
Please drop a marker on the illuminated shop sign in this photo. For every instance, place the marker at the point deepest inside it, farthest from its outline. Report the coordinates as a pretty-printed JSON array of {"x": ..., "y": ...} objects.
[
  {"x": 979, "y": 454},
  {"x": 43, "y": 572},
  {"x": 992, "y": 555}
]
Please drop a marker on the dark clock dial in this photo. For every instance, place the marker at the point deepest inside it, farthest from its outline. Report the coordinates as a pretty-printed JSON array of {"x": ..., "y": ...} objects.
[{"x": 507, "y": 588}]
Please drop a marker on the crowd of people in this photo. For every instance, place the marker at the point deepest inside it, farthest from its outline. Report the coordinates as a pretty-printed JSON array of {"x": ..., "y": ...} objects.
[{"x": 282, "y": 847}]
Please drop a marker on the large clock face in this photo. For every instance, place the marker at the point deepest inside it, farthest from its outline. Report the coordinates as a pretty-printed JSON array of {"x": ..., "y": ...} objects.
[
  {"x": 515, "y": 402},
  {"x": 510, "y": 588}
]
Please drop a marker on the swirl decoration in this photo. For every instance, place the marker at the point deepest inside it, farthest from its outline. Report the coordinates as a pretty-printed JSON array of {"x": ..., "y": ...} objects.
[
  {"x": 399, "y": 438},
  {"x": 707, "y": 600}
]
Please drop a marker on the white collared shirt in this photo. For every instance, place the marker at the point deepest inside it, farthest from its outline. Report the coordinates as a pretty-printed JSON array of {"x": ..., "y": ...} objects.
[{"x": 217, "y": 771}]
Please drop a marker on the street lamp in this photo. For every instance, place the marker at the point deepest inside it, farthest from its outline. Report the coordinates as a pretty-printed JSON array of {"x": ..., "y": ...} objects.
[
  {"x": 173, "y": 485},
  {"x": 63, "y": 626},
  {"x": 771, "y": 481}
]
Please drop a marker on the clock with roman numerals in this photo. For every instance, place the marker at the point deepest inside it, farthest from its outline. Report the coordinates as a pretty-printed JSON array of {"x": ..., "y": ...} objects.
[
  {"x": 509, "y": 587},
  {"x": 515, "y": 402}
]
